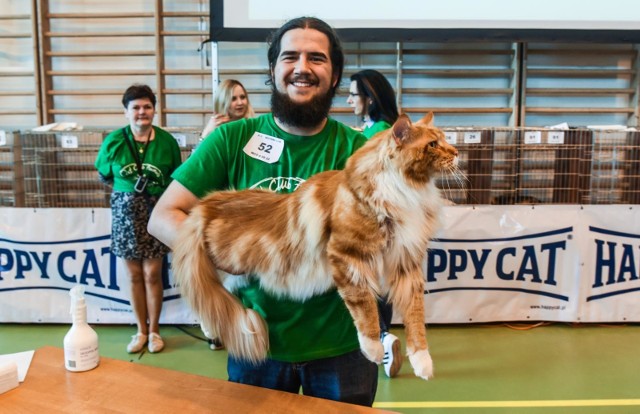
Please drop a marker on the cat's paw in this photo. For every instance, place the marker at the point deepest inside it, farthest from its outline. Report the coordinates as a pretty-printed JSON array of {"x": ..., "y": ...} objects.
[
  {"x": 422, "y": 364},
  {"x": 371, "y": 348}
]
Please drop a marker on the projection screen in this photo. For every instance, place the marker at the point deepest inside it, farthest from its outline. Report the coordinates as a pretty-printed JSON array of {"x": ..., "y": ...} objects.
[{"x": 441, "y": 20}]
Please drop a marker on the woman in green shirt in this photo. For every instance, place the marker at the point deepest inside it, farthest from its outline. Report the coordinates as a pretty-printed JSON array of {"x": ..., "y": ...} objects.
[
  {"x": 138, "y": 161},
  {"x": 373, "y": 101}
]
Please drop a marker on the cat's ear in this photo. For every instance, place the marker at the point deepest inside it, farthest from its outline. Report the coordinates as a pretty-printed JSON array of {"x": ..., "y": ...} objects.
[
  {"x": 401, "y": 129},
  {"x": 427, "y": 120}
]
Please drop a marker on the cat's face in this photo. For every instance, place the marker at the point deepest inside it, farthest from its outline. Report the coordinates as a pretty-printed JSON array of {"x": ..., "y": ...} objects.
[{"x": 422, "y": 149}]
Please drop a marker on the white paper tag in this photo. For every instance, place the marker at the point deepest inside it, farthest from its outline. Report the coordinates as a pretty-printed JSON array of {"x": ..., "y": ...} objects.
[
  {"x": 555, "y": 137},
  {"x": 3, "y": 138},
  {"x": 451, "y": 137},
  {"x": 533, "y": 137},
  {"x": 474, "y": 137},
  {"x": 181, "y": 139},
  {"x": 69, "y": 141},
  {"x": 264, "y": 148}
]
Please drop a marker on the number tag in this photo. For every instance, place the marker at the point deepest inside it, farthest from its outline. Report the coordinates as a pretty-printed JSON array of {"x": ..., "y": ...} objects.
[
  {"x": 474, "y": 137},
  {"x": 533, "y": 137},
  {"x": 181, "y": 139},
  {"x": 69, "y": 141},
  {"x": 451, "y": 137},
  {"x": 264, "y": 148},
  {"x": 555, "y": 137}
]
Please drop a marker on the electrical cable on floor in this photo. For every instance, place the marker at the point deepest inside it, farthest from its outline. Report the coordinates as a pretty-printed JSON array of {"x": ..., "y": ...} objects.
[{"x": 191, "y": 334}]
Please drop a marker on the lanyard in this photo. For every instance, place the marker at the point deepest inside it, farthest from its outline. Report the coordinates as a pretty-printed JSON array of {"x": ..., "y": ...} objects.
[{"x": 131, "y": 146}]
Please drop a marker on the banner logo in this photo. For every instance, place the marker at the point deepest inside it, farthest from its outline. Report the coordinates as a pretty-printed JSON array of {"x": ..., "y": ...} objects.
[{"x": 526, "y": 264}]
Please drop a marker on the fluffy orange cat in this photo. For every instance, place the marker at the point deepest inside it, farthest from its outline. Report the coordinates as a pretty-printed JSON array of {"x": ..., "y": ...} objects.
[{"x": 364, "y": 230}]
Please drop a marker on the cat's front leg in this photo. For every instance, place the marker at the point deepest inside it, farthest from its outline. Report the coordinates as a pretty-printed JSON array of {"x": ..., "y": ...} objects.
[
  {"x": 363, "y": 307},
  {"x": 415, "y": 330}
]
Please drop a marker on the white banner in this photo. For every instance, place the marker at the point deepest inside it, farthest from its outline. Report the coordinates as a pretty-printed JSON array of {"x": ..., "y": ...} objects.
[
  {"x": 45, "y": 252},
  {"x": 489, "y": 263}
]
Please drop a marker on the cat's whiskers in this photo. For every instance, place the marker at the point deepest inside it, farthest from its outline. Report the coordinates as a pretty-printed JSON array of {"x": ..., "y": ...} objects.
[{"x": 452, "y": 171}]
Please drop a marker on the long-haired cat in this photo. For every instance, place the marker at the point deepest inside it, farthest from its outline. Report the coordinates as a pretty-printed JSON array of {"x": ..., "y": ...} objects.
[{"x": 363, "y": 230}]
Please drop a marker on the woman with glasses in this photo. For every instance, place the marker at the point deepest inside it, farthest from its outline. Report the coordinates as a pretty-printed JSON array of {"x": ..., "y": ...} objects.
[{"x": 373, "y": 101}]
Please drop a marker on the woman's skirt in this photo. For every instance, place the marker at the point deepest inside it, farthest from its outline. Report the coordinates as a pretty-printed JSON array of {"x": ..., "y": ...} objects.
[{"x": 129, "y": 217}]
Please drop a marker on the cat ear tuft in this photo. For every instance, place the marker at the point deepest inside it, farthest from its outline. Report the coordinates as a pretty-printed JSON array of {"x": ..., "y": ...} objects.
[
  {"x": 427, "y": 120},
  {"x": 401, "y": 129}
]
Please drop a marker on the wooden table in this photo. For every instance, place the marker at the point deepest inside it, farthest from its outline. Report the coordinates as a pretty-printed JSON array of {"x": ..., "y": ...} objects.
[{"x": 124, "y": 387}]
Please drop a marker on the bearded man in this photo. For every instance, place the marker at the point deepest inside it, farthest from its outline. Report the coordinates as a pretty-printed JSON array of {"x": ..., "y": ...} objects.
[{"x": 313, "y": 345}]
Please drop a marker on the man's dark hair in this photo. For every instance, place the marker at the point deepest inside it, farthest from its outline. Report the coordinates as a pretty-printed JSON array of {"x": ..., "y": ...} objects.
[
  {"x": 335, "y": 47},
  {"x": 138, "y": 91},
  {"x": 373, "y": 85}
]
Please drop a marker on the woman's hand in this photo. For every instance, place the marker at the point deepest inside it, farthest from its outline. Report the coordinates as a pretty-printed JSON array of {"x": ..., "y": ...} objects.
[
  {"x": 214, "y": 122},
  {"x": 220, "y": 119}
]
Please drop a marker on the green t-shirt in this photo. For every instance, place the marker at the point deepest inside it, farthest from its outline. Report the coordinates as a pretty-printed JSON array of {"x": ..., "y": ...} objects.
[
  {"x": 375, "y": 128},
  {"x": 116, "y": 162},
  {"x": 320, "y": 327}
]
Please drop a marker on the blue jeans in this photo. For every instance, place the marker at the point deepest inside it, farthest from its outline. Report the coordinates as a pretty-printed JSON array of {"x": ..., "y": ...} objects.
[{"x": 349, "y": 378}]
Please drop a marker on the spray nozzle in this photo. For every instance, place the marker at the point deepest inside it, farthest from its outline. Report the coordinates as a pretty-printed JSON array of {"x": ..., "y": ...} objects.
[{"x": 77, "y": 296}]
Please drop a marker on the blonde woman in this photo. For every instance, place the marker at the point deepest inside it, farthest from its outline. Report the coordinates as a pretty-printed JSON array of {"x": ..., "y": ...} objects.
[{"x": 231, "y": 103}]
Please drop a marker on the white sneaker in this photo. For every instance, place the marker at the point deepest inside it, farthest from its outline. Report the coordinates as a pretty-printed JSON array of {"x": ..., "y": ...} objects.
[
  {"x": 156, "y": 344},
  {"x": 392, "y": 360},
  {"x": 214, "y": 343},
  {"x": 138, "y": 341}
]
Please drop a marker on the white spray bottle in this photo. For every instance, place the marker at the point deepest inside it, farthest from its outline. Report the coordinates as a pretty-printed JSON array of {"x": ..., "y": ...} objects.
[{"x": 81, "y": 342}]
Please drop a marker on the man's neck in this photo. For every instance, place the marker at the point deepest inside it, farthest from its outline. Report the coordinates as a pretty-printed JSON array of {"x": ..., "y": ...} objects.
[{"x": 301, "y": 131}]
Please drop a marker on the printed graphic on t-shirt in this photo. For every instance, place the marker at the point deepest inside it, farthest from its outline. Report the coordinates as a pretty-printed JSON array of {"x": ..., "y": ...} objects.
[
  {"x": 279, "y": 184},
  {"x": 149, "y": 170}
]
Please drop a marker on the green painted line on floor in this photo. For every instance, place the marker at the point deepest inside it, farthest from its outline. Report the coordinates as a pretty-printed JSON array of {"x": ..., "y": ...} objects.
[{"x": 507, "y": 404}]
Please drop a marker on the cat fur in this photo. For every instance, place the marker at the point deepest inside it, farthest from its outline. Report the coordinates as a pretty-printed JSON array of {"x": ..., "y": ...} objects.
[{"x": 364, "y": 230}]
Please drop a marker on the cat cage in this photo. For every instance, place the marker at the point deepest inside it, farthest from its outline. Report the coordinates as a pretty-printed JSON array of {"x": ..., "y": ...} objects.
[
  {"x": 496, "y": 166},
  {"x": 11, "y": 174},
  {"x": 543, "y": 166},
  {"x": 56, "y": 169}
]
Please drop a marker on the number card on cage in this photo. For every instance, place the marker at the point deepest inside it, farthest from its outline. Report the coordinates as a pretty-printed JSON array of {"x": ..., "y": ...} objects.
[
  {"x": 533, "y": 137},
  {"x": 69, "y": 141},
  {"x": 451, "y": 137},
  {"x": 181, "y": 139},
  {"x": 555, "y": 137},
  {"x": 473, "y": 137}
]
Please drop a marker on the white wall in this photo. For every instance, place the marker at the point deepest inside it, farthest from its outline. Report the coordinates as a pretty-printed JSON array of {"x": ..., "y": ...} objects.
[{"x": 182, "y": 52}]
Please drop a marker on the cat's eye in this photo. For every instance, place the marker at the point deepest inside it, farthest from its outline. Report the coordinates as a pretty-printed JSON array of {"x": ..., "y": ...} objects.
[{"x": 433, "y": 144}]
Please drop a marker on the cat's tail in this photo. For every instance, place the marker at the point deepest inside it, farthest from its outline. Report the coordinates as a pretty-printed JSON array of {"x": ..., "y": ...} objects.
[{"x": 242, "y": 331}]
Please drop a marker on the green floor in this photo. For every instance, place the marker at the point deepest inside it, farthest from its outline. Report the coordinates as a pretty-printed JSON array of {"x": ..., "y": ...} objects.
[{"x": 480, "y": 369}]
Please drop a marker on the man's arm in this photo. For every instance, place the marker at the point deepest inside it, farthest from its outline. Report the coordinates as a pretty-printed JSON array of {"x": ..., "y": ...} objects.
[{"x": 172, "y": 208}]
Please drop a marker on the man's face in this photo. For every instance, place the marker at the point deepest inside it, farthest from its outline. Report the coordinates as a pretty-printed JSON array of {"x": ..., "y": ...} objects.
[
  {"x": 302, "y": 79},
  {"x": 303, "y": 69}
]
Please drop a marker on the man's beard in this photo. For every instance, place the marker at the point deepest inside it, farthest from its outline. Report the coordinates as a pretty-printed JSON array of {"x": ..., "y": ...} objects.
[{"x": 306, "y": 115}]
